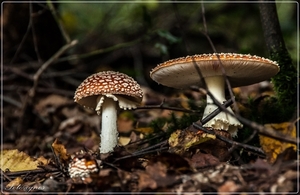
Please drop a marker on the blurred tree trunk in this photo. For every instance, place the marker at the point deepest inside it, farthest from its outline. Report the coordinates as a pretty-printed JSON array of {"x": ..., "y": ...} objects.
[{"x": 286, "y": 81}]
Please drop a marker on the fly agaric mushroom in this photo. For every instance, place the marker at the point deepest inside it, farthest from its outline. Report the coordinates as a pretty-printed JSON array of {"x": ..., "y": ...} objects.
[
  {"x": 101, "y": 92},
  {"x": 240, "y": 70}
]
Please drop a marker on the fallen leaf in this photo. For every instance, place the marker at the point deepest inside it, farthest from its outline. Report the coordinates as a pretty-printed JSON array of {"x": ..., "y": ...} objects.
[
  {"x": 202, "y": 160},
  {"x": 123, "y": 141},
  {"x": 228, "y": 186},
  {"x": 182, "y": 140},
  {"x": 49, "y": 104},
  {"x": 14, "y": 160},
  {"x": 15, "y": 182},
  {"x": 145, "y": 130},
  {"x": 125, "y": 122},
  {"x": 273, "y": 147},
  {"x": 173, "y": 162},
  {"x": 60, "y": 151},
  {"x": 71, "y": 125},
  {"x": 145, "y": 181}
]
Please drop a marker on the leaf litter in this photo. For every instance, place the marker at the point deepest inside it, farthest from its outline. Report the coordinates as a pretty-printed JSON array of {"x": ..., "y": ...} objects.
[{"x": 184, "y": 160}]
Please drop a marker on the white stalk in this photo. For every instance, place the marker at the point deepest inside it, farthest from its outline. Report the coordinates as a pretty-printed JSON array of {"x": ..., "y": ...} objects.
[
  {"x": 109, "y": 132},
  {"x": 216, "y": 86}
]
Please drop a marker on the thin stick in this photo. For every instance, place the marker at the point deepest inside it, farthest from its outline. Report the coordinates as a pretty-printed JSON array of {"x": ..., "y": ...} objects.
[
  {"x": 34, "y": 37},
  {"x": 138, "y": 154},
  {"x": 31, "y": 93},
  {"x": 216, "y": 112},
  {"x": 151, "y": 147},
  {"x": 261, "y": 129},
  {"x": 47, "y": 64},
  {"x": 18, "y": 71},
  {"x": 161, "y": 106},
  {"x": 28, "y": 172},
  {"x": 99, "y": 51},
  {"x": 215, "y": 51},
  {"x": 59, "y": 22},
  {"x": 234, "y": 143},
  {"x": 23, "y": 39},
  {"x": 5, "y": 175}
]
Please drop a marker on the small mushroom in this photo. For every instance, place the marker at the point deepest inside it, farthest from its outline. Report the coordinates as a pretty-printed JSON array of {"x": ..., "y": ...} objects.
[
  {"x": 240, "y": 70},
  {"x": 105, "y": 92}
]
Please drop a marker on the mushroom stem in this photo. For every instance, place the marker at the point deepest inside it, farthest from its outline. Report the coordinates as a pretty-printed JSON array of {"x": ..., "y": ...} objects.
[
  {"x": 109, "y": 132},
  {"x": 216, "y": 86}
]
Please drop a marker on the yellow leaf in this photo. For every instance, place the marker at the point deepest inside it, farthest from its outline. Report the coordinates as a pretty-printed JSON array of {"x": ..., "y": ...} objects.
[
  {"x": 184, "y": 101},
  {"x": 15, "y": 182},
  {"x": 15, "y": 160},
  {"x": 145, "y": 130},
  {"x": 273, "y": 147},
  {"x": 182, "y": 140},
  {"x": 123, "y": 141}
]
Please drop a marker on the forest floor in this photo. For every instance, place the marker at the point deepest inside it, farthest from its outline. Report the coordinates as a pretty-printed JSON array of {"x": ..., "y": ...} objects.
[{"x": 159, "y": 151}]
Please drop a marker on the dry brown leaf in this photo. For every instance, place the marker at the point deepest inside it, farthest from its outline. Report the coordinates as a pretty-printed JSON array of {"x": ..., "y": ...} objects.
[
  {"x": 228, "y": 186},
  {"x": 125, "y": 122},
  {"x": 71, "y": 125},
  {"x": 15, "y": 160},
  {"x": 202, "y": 160},
  {"x": 43, "y": 161},
  {"x": 60, "y": 151},
  {"x": 145, "y": 181},
  {"x": 44, "y": 106},
  {"x": 273, "y": 147}
]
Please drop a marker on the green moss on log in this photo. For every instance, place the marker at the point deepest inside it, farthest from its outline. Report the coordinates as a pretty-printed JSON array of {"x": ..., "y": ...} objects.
[{"x": 286, "y": 81}]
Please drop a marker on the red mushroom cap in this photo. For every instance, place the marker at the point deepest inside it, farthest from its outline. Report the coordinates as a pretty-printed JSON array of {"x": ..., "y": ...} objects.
[{"x": 107, "y": 83}]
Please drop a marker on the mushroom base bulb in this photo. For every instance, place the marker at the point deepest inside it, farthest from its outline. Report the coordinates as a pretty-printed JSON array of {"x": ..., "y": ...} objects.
[{"x": 222, "y": 121}]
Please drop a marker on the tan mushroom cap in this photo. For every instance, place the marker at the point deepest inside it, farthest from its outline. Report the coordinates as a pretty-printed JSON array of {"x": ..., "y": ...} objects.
[
  {"x": 107, "y": 83},
  {"x": 240, "y": 69}
]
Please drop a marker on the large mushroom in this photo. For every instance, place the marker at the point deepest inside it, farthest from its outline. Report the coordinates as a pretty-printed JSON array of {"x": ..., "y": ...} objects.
[
  {"x": 105, "y": 92},
  {"x": 240, "y": 70}
]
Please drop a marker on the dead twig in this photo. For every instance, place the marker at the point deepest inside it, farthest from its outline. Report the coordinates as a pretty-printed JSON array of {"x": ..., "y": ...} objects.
[
  {"x": 205, "y": 33},
  {"x": 17, "y": 71},
  {"x": 23, "y": 39},
  {"x": 5, "y": 175},
  {"x": 216, "y": 112},
  {"x": 11, "y": 101},
  {"x": 158, "y": 145},
  {"x": 58, "y": 21},
  {"x": 162, "y": 146},
  {"x": 161, "y": 106},
  {"x": 255, "y": 126},
  {"x": 31, "y": 93},
  {"x": 99, "y": 51},
  {"x": 47, "y": 64},
  {"x": 28, "y": 172},
  {"x": 34, "y": 37},
  {"x": 40, "y": 90},
  {"x": 257, "y": 150}
]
